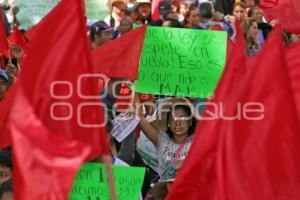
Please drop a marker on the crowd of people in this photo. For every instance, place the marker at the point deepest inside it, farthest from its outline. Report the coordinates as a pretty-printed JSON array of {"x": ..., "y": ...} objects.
[{"x": 170, "y": 134}]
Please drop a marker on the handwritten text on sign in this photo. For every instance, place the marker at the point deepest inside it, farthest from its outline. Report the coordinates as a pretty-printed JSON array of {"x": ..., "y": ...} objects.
[
  {"x": 181, "y": 62},
  {"x": 91, "y": 182}
]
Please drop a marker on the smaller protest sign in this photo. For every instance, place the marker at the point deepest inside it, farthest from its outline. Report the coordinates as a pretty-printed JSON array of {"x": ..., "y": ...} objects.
[
  {"x": 91, "y": 182},
  {"x": 123, "y": 125}
]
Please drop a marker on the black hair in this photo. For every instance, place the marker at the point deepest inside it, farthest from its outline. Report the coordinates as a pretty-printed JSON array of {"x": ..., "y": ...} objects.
[
  {"x": 173, "y": 23},
  {"x": 206, "y": 10},
  {"x": 93, "y": 32},
  {"x": 6, "y": 159},
  {"x": 187, "y": 110}
]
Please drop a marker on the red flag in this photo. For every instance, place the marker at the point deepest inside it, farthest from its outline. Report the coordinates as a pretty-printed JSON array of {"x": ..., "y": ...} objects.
[
  {"x": 120, "y": 58},
  {"x": 292, "y": 53},
  {"x": 17, "y": 38},
  {"x": 296, "y": 4},
  {"x": 286, "y": 11},
  {"x": 196, "y": 178},
  {"x": 268, "y": 3},
  {"x": 3, "y": 37},
  {"x": 255, "y": 159},
  {"x": 5, "y": 109},
  {"x": 155, "y": 9},
  {"x": 32, "y": 32},
  {"x": 258, "y": 155},
  {"x": 56, "y": 115}
]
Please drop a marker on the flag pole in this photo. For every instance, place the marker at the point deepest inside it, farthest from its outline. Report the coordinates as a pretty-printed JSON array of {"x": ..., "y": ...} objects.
[
  {"x": 108, "y": 167},
  {"x": 9, "y": 55},
  {"x": 133, "y": 93}
]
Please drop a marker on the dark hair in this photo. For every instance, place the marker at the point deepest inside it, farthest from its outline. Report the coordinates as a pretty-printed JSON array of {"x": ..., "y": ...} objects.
[
  {"x": 188, "y": 111},
  {"x": 206, "y": 10},
  {"x": 188, "y": 14},
  {"x": 97, "y": 28},
  {"x": 5, "y": 158},
  {"x": 173, "y": 23}
]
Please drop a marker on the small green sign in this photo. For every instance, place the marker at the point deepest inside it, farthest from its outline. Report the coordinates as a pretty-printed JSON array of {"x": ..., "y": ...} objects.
[
  {"x": 31, "y": 12},
  {"x": 96, "y": 9},
  {"x": 91, "y": 182},
  {"x": 181, "y": 62}
]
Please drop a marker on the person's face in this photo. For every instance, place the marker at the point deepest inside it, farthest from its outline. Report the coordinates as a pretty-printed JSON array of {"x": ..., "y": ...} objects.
[
  {"x": 180, "y": 122},
  {"x": 145, "y": 9},
  {"x": 103, "y": 37},
  {"x": 253, "y": 31},
  {"x": 257, "y": 15},
  {"x": 194, "y": 18},
  {"x": 184, "y": 9},
  {"x": 119, "y": 9},
  {"x": 239, "y": 12},
  {"x": 134, "y": 16},
  {"x": 5, "y": 174},
  {"x": 174, "y": 8},
  {"x": 125, "y": 26}
]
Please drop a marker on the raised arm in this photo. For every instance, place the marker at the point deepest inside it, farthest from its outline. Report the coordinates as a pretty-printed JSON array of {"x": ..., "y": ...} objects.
[{"x": 149, "y": 130}]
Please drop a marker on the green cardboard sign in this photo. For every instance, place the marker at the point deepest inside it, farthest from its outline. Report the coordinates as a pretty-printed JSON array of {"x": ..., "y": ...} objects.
[
  {"x": 31, "y": 12},
  {"x": 96, "y": 9},
  {"x": 91, "y": 182},
  {"x": 181, "y": 62}
]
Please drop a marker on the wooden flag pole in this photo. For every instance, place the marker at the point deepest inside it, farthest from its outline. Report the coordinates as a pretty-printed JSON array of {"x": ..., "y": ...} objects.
[
  {"x": 9, "y": 57},
  {"x": 108, "y": 163},
  {"x": 133, "y": 93}
]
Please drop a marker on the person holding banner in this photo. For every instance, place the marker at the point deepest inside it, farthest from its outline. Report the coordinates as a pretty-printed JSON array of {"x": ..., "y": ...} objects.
[{"x": 175, "y": 143}]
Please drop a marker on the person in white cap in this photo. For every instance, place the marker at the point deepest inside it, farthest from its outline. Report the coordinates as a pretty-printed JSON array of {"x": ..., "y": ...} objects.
[{"x": 144, "y": 9}]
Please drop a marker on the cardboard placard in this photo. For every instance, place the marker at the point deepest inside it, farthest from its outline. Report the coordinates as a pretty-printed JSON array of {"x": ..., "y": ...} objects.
[
  {"x": 181, "y": 62},
  {"x": 91, "y": 182}
]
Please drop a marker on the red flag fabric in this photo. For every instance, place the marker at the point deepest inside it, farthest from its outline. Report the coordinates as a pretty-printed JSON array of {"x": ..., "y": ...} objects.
[
  {"x": 120, "y": 58},
  {"x": 155, "y": 9},
  {"x": 196, "y": 178},
  {"x": 292, "y": 53},
  {"x": 268, "y": 3},
  {"x": 17, "y": 38},
  {"x": 258, "y": 155},
  {"x": 5, "y": 108},
  {"x": 32, "y": 32},
  {"x": 57, "y": 113},
  {"x": 3, "y": 37},
  {"x": 296, "y": 4},
  {"x": 286, "y": 11},
  {"x": 255, "y": 159}
]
